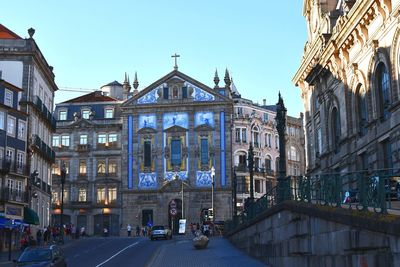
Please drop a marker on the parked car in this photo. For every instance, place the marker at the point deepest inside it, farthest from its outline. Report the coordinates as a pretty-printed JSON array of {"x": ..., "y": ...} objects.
[
  {"x": 42, "y": 256},
  {"x": 159, "y": 231}
]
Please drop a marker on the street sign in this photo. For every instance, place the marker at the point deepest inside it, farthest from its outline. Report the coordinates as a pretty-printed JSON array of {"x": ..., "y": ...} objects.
[
  {"x": 172, "y": 204},
  {"x": 173, "y": 211}
]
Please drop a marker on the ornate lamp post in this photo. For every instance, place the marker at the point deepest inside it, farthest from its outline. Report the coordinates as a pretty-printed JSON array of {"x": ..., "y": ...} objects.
[
  {"x": 63, "y": 174},
  {"x": 283, "y": 185},
  {"x": 250, "y": 159}
]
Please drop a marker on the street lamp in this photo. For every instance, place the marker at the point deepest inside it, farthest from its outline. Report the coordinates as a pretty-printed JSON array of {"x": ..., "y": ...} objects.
[
  {"x": 212, "y": 191},
  {"x": 63, "y": 174}
]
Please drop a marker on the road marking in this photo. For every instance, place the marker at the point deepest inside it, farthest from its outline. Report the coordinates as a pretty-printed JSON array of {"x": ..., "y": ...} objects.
[{"x": 122, "y": 250}]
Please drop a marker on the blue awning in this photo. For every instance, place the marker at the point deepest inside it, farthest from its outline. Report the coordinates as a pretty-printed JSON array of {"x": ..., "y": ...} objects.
[{"x": 6, "y": 223}]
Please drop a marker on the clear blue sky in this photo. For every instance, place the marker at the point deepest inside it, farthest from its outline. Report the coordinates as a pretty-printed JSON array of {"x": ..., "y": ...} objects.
[{"x": 91, "y": 43}]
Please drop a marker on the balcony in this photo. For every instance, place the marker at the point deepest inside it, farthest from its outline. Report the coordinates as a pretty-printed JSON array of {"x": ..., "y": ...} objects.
[
  {"x": 83, "y": 148},
  {"x": 41, "y": 108},
  {"x": 108, "y": 145},
  {"x": 80, "y": 204},
  {"x": 106, "y": 204},
  {"x": 42, "y": 148},
  {"x": 8, "y": 194}
]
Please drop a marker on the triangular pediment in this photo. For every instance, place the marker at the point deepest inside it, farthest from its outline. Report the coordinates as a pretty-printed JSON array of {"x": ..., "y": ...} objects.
[
  {"x": 196, "y": 91},
  {"x": 203, "y": 128},
  {"x": 175, "y": 129},
  {"x": 146, "y": 130}
]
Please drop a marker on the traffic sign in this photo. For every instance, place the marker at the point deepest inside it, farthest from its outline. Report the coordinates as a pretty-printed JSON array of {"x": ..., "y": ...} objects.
[
  {"x": 173, "y": 211},
  {"x": 172, "y": 204}
]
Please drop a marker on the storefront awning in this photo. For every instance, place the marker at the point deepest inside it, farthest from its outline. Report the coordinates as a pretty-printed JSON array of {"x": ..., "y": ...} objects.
[{"x": 30, "y": 216}]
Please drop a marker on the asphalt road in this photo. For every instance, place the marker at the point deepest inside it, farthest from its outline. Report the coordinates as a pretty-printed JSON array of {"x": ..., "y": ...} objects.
[{"x": 111, "y": 251}]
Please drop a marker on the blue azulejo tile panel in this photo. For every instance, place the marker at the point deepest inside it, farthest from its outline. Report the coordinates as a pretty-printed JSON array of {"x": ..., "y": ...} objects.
[
  {"x": 203, "y": 178},
  {"x": 182, "y": 175},
  {"x": 147, "y": 121},
  {"x": 204, "y": 118},
  {"x": 222, "y": 148},
  {"x": 149, "y": 98},
  {"x": 147, "y": 180},
  {"x": 201, "y": 95},
  {"x": 176, "y": 119},
  {"x": 130, "y": 152}
]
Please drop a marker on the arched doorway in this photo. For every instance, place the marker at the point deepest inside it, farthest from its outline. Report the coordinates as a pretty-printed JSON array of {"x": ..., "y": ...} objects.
[{"x": 174, "y": 215}]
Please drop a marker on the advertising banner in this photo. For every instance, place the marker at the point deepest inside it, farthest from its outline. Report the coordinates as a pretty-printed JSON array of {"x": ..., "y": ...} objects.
[{"x": 182, "y": 226}]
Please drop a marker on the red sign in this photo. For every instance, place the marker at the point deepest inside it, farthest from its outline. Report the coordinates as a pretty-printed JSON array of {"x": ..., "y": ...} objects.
[{"x": 173, "y": 211}]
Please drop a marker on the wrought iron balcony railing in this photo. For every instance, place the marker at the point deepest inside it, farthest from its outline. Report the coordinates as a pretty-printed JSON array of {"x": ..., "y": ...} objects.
[{"x": 8, "y": 194}]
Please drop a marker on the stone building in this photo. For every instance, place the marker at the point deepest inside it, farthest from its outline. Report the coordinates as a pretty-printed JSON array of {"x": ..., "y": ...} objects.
[
  {"x": 174, "y": 132},
  {"x": 255, "y": 124},
  {"x": 88, "y": 144},
  {"x": 23, "y": 65},
  {"x": 349, "y": 80}
]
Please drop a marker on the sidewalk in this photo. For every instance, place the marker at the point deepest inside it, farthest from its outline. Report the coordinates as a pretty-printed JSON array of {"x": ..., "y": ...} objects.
[
  {"x": 4, "y": 262},
  {"x": 220, "y": 252}
]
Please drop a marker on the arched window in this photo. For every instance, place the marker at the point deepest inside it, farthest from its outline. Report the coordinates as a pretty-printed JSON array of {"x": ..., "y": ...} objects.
[
  {"x": 335, "y": 127},
  {"x": 362, "y": 109},
  {"x": 293, "y": 155},
  {"x": 268, "y": 163},
  {"x": 256, "y": 136},
  {"x": 383, "y": 90},
  {"x": 277, "y": 164}
]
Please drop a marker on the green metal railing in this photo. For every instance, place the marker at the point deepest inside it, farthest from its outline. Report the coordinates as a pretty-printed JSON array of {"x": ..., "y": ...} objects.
[{"x": 377, "y": 191}]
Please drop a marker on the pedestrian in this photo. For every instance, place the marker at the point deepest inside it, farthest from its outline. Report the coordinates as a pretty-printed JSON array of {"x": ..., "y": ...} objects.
[
  {"x": 105, "y": 232},
  {"x": 39, "y": 237},
  {"x": 129, "y": 229},
  {"x": 137, "y": 230},
  {"x": 83, "y": 233},
  {"x": 73, "y": 231}
]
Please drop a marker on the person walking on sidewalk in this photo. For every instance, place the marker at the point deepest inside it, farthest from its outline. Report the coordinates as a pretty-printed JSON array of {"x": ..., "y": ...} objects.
[
  {"x": 129, "y": 229},
  {"x": 137, "y": 230},
  {"x": 39, "y": 237}
]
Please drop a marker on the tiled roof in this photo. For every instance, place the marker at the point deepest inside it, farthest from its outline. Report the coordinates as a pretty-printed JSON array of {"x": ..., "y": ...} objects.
[
  {"x": 6, "y": 33},
  {"x": 114, "y": 83},
  {"x": 91, "y": 97}
]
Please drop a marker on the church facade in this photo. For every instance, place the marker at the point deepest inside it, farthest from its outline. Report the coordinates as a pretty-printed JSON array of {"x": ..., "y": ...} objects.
[
  {"x": 176, "y": 134},
  {"x": 349, "y": 80}
]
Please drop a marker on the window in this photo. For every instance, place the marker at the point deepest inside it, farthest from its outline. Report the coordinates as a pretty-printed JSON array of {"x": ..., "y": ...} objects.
[
  {"x": 244, "y": 135},
  {"x": 65, "y": 195},
  {"x": 268, "y": 165},
  {"x": 82, "y": 167},
  {"x": 383, "y": 86},
  {"x": 387, "y": 155},
  {"x": 362, "y": 110},
  {"x": 20, "y": 160},
  {"x": 265, "y": 117},
  {"x": 176, "y": 152},
  {"x": 147, "y": 153},
  {"x": 21, "y": 129},
  {"x": 10, "y": 155},
  {"x": 8, "y": 98},
  {"x": 101, "y": 195},
  {"x": 165, "y": 92},
  {"x": 112, "y": 166},
  {"x": 101, "y": 166},
  {"x": 19, "y": 186},
  {"x": 82, "y": 195},
  {"x": 83, "y": 139},
  {"x": 277, "y": 164},
  {"x": 65, "y": 140},
  {"x": 175, "y": 92},
  {"x": 11, "y": 126},
  {"x": 102, "y": 138},
  {"x": 204, "y": 151},
  {"x": 242, "y": 161},
  {"x": 319, "y": 140},
  {"x": 55, "y": 197},
  {"x": 112, "y": 194},
  {"x": 184, "y": 92},
  {"x": 268, "y": 140},
  {"x": 257, "y": 186},
  {"x": 276, "y": 142},
  {"x": 335, "y": 128},
  {"x": 109, "y": 113},
  {"x": 62, "y": 115},
  {"x": 293, "y": 155},
  {"x": 56, "y": 169},
  {"x": 2, "y": 117},
  {"x": 56, "y": 140},
  {"x": 256, "y": 139},
  {"x": 239, "y": 111},
  {"x": 112, "y": 138},
  {"x": 237, "y": 135},
  {"x": 85, "y": 114}
]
